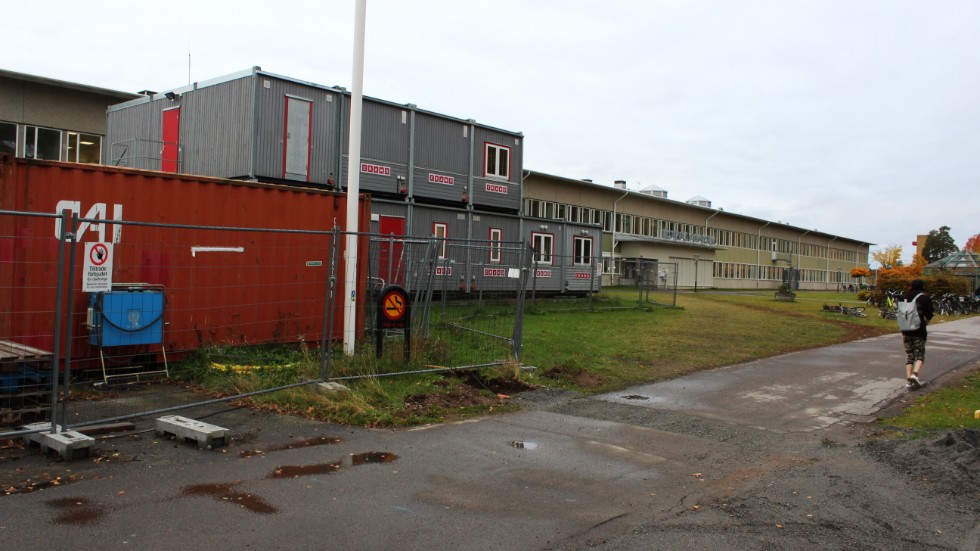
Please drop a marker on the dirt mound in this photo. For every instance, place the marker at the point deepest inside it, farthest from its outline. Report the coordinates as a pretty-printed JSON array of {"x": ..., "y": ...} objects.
[
  {"x": 950, "y": 461},
  {"x": 475, "y": 390},
  {"x": 575, "y": 375}
]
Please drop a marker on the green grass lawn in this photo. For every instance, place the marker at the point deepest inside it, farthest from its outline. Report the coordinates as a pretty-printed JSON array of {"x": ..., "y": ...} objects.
[
  {"x": 950, "y": 407},
  {"x": 618, "y": 343}
]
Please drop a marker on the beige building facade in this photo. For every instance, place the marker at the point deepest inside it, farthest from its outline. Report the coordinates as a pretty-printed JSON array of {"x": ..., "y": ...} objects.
[
  {"x": 708, "y": 247},
  {"x": 54, "y": 120}
]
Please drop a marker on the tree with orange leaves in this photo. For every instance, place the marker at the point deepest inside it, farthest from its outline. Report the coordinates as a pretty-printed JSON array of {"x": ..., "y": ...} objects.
[
  {"x": 918, "y": 263},
  {"x": 973, "y": 243}
]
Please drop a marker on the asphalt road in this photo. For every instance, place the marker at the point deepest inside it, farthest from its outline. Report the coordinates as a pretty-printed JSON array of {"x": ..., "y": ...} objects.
[{"x": 770, "y": 455}]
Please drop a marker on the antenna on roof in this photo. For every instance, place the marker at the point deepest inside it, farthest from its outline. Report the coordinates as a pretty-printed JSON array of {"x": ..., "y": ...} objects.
[{"x": 188, "y": 68}]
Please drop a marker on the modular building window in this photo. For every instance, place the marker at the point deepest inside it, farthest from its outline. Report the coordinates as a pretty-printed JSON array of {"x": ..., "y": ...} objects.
[
  {"x": 8, "y": 138},
  {"x": 440, "y": 231},
  {"x": 542, "y": 243},
  {"x": 42, "y": 143},
  {"x": 496, "y": 236},
  {"x": 583, "y": 250},
  {"x": 497, "y": 162}
]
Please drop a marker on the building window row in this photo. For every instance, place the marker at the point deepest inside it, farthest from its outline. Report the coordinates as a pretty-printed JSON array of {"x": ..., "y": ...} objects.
[
  {"x": 543, "y": 245},
  {"x": 735, "y": 270},
  {"x": 50, "y": 144},
  {"x": 651, "y": 227}
]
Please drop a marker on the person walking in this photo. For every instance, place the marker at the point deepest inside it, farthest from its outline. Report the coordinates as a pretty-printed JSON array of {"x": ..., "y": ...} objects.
[{"x": 915, "y": 340}]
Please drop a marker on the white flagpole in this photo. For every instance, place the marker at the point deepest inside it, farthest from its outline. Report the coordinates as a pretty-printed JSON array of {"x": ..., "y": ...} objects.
[{"x": 354, "y": 179}]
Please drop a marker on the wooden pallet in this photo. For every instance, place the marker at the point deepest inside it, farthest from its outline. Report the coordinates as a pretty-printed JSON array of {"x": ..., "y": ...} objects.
[{"x": 25, "y": 384}]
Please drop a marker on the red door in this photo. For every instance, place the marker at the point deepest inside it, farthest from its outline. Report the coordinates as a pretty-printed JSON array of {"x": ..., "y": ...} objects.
[
  {"x": 170, "y": 153},
  {"x": 391, "y": 265}
]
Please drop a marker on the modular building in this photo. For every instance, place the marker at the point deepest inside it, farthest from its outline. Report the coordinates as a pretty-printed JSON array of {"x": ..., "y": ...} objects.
[{"x": 429, "y": 175}]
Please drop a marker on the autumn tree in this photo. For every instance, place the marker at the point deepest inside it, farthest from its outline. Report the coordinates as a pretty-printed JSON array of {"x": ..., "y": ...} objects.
[
  {"x": 918, "y": 263},
  {"x": 939, "y": 244},
  {"x": 859, "y": 272},
  {"x": 888, "y": 257},
  {"x": 973, "y": 243}
]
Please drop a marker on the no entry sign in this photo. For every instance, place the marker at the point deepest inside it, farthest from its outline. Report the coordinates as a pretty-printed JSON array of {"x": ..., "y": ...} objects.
[{"x": 97, "y": 268}]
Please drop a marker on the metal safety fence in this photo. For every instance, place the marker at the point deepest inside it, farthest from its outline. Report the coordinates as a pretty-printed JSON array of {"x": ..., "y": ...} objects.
[
  {"x": 100, "y": 318},
  {"x": 656, "y": 282}
]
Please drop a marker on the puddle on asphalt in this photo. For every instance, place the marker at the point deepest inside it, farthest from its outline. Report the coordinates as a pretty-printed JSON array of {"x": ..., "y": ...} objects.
[
  {"x": 308, "y": 443},
  {"x": 636, "y": 397},
  {"x": 226, "y": 493},
  {"x": 372, "y": 457},
  {"x": 293, "y": 471},
  {"x": 76, "y": 511},
  {"x": 524, "y": 445}
]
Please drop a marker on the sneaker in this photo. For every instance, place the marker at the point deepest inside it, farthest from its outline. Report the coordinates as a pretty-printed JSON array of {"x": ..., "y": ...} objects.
[
  {"x": 908, "y": 383},
  {"x": 916, "y": 383}
]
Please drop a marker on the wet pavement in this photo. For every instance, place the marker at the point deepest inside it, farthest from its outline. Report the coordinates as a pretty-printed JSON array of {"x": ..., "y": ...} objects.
[
  {"x": 810, "y": 390},
  {"x": 756, "y": 455}
]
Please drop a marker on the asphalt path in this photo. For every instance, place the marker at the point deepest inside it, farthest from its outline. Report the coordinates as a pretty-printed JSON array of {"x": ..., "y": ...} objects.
[{"x": 765, "y": 454}]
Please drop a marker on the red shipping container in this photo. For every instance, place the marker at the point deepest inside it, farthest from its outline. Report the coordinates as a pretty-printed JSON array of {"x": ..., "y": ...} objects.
[{"x": 221, "y": 286}]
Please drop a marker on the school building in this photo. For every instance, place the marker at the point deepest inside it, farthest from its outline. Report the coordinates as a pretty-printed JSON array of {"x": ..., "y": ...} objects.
[{"x": 710, "y": 246}]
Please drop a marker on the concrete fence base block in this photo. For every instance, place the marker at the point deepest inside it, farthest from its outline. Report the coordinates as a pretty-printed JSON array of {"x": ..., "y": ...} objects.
[
  {"x": 68, "y": 444},
  {"x": 331, "y": 388},
  {"x": 190, "y": 430}
]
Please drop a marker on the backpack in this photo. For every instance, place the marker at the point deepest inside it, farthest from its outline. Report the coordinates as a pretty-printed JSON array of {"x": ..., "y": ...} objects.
[{"x": 908, "y": 315}]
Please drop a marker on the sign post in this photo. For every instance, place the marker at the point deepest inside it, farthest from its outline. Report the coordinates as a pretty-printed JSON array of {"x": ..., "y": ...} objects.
[{"x": 394, "y": 312}]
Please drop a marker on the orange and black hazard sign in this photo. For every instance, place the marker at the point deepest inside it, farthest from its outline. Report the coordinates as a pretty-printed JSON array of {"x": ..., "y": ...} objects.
[
  {"x": 394, "y": 306},
  {"x": 394, "y": 313}
]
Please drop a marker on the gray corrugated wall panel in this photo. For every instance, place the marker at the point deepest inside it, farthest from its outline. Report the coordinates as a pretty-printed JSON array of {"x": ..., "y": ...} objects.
[
  {"x": 583, "y": 283},
  {"x": 384, "y": 146},
  {"x": 549, "y": 275},
  {"x": 424, "y": 216},
  {"x": 442, "y": 149},
  {"x": 385, "y": 133},
  {"x": 445, "y": 186},
  {"x": 389, "y": 208},
  {"x": 270, "y": 126},
  {"x": 216, "y": 129},
  {"x": 494, "y": 191},
  {"x": 139, "y": 123},
  {"x": 441, "y": 145},
  {"x": 215, "y": 137},
  {"x": 510, "y": 226},
  {"x": 375, "y": 182}
]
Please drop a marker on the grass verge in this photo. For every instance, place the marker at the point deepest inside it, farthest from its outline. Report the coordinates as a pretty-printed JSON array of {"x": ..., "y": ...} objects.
[
  {"x": 953, "y": 406},
  {"x": 617, "y": 343}
]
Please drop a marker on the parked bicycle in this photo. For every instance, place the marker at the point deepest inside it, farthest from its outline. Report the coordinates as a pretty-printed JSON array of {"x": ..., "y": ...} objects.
[
  {"x": 951, "y": 304},
  {"x": 889, "y": 307}
]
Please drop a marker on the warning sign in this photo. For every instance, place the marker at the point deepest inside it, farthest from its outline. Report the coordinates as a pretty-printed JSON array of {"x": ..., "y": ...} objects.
[
  {"x": 394, "y": 313},
  {"x": 394, "y": 306},
  {"x": 97, "y": 268}
]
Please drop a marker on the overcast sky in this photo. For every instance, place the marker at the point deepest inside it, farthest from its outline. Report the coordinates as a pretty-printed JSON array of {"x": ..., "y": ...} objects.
[{"x": 859, "y": 118}]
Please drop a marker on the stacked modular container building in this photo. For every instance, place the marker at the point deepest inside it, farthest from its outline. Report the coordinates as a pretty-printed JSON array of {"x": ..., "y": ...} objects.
[{"x": 428, "y": 174}]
